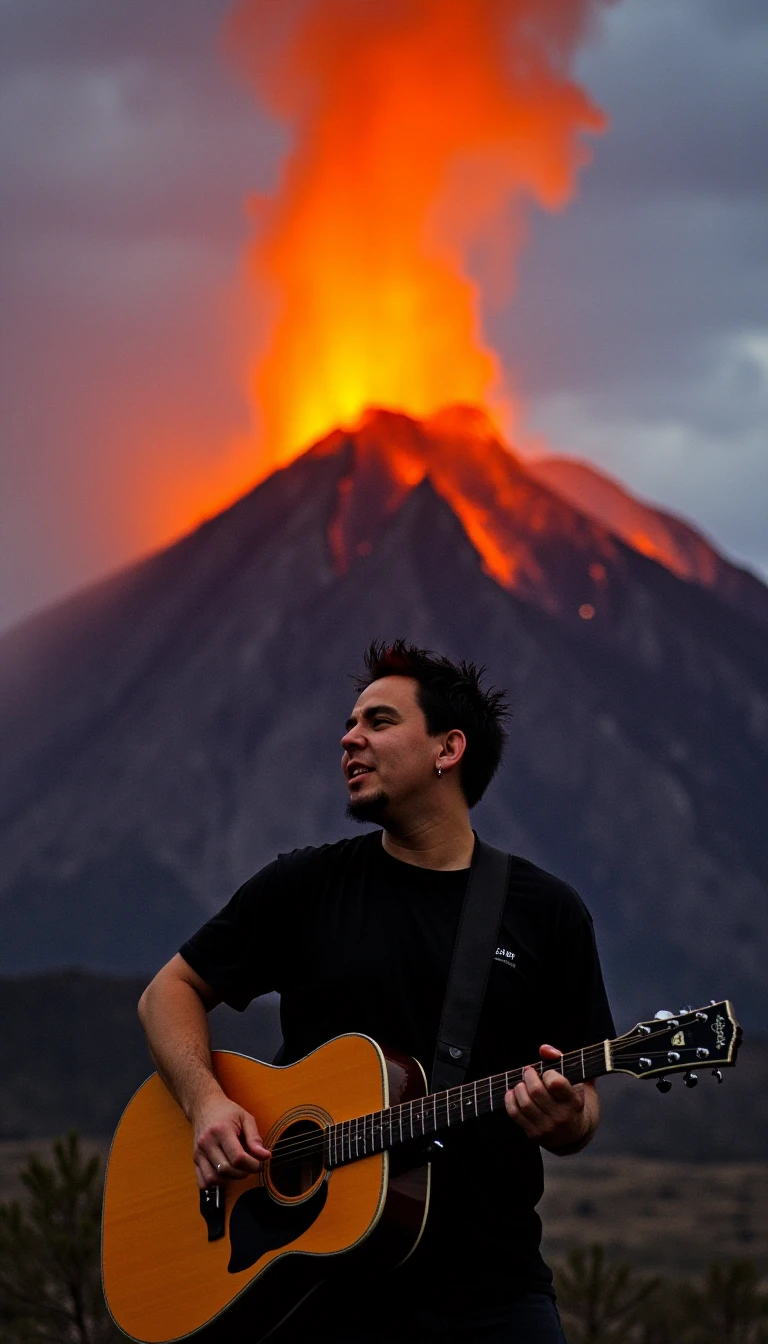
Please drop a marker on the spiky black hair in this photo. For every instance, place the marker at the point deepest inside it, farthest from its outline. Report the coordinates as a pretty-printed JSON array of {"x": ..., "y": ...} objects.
[{"x": 450, "y": 695}]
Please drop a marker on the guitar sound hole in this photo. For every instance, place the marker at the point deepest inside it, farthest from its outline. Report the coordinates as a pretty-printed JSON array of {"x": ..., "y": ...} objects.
[{"x": 297, "y": 1159}]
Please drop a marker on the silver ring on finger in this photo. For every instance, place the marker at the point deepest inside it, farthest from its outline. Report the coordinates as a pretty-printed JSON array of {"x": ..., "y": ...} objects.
[{"x": 218, "y": 1166}]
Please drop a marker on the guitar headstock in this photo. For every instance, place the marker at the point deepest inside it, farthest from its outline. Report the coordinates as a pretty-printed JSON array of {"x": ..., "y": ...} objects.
[{"x": 675, "y": 1042}]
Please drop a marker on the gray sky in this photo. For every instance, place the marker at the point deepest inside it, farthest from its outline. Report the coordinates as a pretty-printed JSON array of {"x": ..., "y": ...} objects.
[{"x": 638, "y": 337}]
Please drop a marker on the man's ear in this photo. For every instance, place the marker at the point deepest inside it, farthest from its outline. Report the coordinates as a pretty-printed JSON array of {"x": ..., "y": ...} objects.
[{"x": 454, "y": 746}]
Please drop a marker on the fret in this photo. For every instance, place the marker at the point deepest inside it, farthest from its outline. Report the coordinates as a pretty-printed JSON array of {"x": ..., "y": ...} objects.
[{"x": 347, "y": 1140}]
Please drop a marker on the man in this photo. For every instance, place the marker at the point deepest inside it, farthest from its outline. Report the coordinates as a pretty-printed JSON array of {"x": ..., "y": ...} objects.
[{"x": 358, "y": 936}]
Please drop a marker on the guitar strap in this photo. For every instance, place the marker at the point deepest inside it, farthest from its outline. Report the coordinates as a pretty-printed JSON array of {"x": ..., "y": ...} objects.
[{"x": 471, "y": 963}]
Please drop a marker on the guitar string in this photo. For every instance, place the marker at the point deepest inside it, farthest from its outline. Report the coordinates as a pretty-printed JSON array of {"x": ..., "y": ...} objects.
[
  {"x": 293, "y": 1147},
  {"x": 301, "y": 1146},
  {"x": 438, "y": 1101},
  {"x": 441, "y": 1104}
]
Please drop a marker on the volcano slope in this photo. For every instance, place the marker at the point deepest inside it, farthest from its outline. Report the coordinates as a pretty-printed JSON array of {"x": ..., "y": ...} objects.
[{"x": 169, "y": 730}]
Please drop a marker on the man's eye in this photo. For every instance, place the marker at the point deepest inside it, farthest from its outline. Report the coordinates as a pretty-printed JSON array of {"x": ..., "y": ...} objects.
[{"x": 377, "y": 723}]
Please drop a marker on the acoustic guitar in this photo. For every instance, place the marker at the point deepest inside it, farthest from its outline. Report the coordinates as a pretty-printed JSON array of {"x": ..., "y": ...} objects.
[{"x": 347, "y": 1185}]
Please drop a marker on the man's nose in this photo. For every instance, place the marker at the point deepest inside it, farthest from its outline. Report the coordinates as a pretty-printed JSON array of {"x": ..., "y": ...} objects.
[{"x": 352, "y": 737}]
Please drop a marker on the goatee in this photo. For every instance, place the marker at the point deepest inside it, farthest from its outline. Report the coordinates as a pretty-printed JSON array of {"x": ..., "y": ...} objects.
[{"x": 371, "y": 809}]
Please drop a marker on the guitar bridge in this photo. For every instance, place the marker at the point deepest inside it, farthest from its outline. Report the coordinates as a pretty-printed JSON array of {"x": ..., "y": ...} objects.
[{"x": 212, "y": 1209}]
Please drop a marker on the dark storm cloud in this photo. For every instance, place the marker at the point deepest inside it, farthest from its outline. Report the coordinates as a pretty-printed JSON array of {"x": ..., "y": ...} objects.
[
  {"x": 85, "y": 34},
  {"x": 685, "y": 85},
  {"x": 639, "y": 334},
  {"x": 128, "y": 148},
  {"x": 123, "y": 118}
]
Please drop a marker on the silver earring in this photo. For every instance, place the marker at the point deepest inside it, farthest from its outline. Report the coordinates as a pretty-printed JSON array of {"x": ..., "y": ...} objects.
[{"x": 439, "y": 770}]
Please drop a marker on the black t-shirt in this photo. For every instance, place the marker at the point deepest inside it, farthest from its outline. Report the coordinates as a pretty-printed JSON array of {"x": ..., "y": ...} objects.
[{"x": 355, "y": 940}]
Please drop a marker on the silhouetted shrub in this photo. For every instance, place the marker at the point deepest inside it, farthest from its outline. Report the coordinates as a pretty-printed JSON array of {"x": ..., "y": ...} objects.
[{"x": 50, "y": 1281}]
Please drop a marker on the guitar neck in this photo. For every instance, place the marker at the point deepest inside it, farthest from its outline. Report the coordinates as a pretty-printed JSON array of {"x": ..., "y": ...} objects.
[{"x": 363, "y": 1135}]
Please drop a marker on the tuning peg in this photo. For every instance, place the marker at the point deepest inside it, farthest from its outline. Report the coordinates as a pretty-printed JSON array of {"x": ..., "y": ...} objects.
[
  {"x": 687, "y": 1008},
  {"x": 663, "y": 1084},
  {"x": 662, "y": 1015},
  {"x": 690, "y": 1079},
  {"x": 718, "y": 1075}
]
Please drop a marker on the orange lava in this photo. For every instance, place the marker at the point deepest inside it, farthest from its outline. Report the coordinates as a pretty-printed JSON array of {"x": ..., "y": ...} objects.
[{"x": 420, "y": 130}]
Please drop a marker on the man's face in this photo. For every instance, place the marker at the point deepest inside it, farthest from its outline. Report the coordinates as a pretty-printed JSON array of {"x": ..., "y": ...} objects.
[{"x": 389, "y": 757}]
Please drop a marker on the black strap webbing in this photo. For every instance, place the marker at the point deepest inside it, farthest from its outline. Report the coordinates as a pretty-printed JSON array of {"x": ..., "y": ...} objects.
[{"x": 471, "y": 964}]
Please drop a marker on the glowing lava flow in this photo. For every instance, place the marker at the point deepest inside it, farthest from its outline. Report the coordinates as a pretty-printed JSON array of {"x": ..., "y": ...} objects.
[{"x": 509, "y": 518}]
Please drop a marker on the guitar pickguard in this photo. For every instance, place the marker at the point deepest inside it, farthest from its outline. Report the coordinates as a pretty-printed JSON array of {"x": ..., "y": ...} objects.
[{"x": 259, "y": 1224}]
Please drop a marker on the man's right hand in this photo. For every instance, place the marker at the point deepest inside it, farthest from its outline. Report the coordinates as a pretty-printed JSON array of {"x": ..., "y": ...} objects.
[{"x": 228, "y": 1145}]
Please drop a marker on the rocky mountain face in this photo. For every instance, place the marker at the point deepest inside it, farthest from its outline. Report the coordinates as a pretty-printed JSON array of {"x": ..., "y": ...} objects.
[
  {"x": 166, "y": 732},
  {"x": 662, "y": 536}
]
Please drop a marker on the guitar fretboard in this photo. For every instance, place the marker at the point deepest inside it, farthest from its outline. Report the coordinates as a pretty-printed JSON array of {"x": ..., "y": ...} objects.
[{"x": 366, "y": 1134}]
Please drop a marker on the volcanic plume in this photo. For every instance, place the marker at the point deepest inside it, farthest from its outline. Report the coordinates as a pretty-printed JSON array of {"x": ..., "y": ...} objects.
[{"x": 421, "y": 131}]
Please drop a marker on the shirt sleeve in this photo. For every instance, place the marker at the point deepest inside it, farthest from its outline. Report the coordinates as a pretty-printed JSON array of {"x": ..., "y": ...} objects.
[
  {"x": 581, "y": 1014},
  {"x": 237, "y": 952}
]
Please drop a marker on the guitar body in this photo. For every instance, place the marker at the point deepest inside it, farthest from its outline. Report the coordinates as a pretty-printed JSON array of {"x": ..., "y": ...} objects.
[
  {"x": 284, "y": 1231},
  {"x": 346, "y": 1185}
]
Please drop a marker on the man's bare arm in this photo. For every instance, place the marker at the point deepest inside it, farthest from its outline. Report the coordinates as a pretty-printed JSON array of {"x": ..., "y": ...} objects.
[{"x": 173, "y": 1011}]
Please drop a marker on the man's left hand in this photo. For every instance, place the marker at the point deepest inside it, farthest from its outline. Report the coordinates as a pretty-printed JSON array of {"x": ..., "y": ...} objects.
[{"x": 549, "y": 1109}]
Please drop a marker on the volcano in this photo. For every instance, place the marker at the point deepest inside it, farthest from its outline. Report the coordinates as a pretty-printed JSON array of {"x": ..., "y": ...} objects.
[{"x": 169, "y": 730}]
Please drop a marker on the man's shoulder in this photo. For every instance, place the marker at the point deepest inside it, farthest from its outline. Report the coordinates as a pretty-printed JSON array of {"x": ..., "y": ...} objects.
[
  {"x": 321, "y": 858},
  {"x": 299, "y": 870},
  {"x": 527, "y": 879}
]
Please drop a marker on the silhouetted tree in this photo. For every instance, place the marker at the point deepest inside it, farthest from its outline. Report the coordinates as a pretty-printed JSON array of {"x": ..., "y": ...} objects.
[
  {"x": 601, "y": 1303},
  {"x": 730, "y": 1308},
  {"x": 50, "y": 1283}
]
